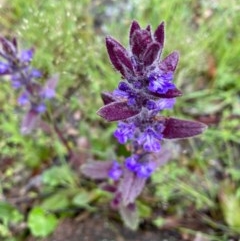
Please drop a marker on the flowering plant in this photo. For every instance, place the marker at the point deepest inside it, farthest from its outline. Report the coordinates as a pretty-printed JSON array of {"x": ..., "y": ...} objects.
[
  {"x": 145, "y": 90},
  {"x": 17, "y": 64}
]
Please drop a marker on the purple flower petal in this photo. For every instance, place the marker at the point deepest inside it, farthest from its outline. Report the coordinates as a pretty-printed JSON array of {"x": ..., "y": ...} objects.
[
  {"x": 116, "y": 171},
  {"x": 160, "y": 82},
  {"x": 35, "y": 73},
  {"x": 40, "y": 108},
  {"x": 4, "y": 68},
  {"x": 97, "y": 169},
  {"x": 176, "y": 128},
  {"x": 27, "y": 55},
  {"x": 131, "y": 163},
  {"x": 23, "y": 99},
  {"x": 116, "y": 111},
  {"x": 150, "y": 140},
  {"x": 124, "y": 132}
]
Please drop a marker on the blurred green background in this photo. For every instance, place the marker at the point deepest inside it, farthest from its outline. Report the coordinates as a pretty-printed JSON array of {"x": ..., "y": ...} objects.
[{"x": 199, "y": 186}]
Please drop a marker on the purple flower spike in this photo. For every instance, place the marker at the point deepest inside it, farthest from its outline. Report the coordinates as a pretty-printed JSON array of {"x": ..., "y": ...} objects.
[{"x": 147, "y": 88}]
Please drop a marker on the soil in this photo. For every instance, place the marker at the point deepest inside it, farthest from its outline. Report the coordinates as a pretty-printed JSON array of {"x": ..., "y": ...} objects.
[{"x": 96, "y": 228}]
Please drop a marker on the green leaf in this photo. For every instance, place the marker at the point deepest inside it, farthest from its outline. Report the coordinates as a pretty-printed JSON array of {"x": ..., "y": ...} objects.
[
  {"x": 144, "y": 210},
  {"x": 82, "y": 199},
  {"x": 41, "y": 223},
  {"x": 9, "y": 213},
  {"x": 61, "y": 175},
  {"x": 57, "y": 201},
  {"x": 159, "y": 222}
]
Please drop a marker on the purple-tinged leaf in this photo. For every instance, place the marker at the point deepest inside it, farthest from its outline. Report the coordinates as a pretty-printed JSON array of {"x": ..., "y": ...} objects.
[
  {"x": 172, "y": 93},
  {"x": 15, "y": 43},
  {"x": 134, "y": 26},
  {"x": 116, "y": 111},
  {"x": 119, "y": 56},
  {"x": 116, "y": 202},
  {"x": 140, "y": 41},
  {"x": 130, "y": 187},
  {"x": 108, "y": 187},
  {"x": 162, "y": 157},
  {"x": 169, "y": 64},
  {"x": 148, "y": 28},
  {"x": 130, "y": 216},
  {"x": 48, "y": 90},
  {"x": 29, "y": 122},
  {"x": 107, "y": 97},
  {"x": 151, "y": 53},
  {"x": 96, "y": 169},
  {"x": 159, "y": 34},
  {"x": 8, "y": 47},
  {"x": 176, "y": 128}
]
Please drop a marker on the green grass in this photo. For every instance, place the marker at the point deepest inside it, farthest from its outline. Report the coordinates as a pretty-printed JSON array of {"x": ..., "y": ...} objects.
[{"x": 205, "y": 173}]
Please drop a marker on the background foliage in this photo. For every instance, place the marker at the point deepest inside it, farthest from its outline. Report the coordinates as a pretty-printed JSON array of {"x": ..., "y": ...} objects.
[{"x": 199, "y": 188}]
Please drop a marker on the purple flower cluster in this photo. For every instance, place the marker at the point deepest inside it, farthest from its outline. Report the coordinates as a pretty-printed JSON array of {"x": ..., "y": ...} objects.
[
  {"x": 17, "y": 65},
  {"x": 146, "y": 89}
]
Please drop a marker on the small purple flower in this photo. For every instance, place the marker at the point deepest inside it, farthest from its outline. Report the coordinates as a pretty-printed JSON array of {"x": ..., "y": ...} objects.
[
  {"x": 40, "y": 108},
  {"x": 27, "y": 55},
  {"x": 146, "y": 169},
  {"x": 4, "y": 68},
  {"x": 35, "y": 73},
  {"x": 124, "y": 132},
  {"x": 150, "y": 140},
  {"x": 23, "y": 99},
  {"x": 131, "y": 163},
  {"x": 160, "y": 83},
  {"x": 116, "y": 171}
]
